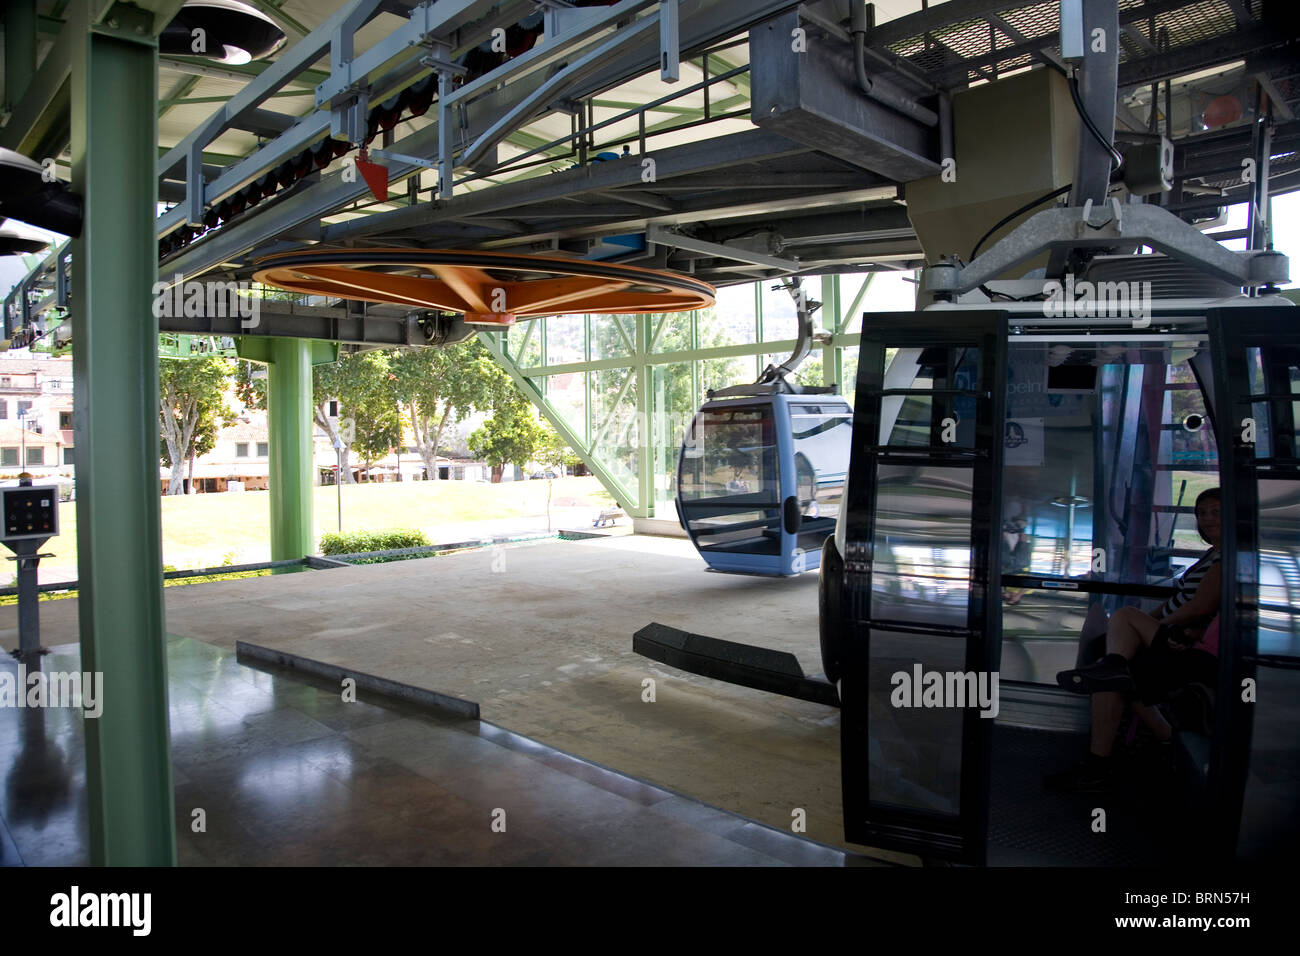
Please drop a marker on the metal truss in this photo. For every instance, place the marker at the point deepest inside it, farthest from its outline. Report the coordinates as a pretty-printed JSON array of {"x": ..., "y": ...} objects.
[{"x": 620, "y": 390}]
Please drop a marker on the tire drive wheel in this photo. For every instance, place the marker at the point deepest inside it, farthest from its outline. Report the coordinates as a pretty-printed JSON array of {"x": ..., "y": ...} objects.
[{"x": 830, "y": 623}]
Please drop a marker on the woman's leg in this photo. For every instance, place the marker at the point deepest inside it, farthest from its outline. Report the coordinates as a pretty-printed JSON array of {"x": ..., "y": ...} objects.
[
  {"x": 1155, "y": 720},
  {"x": 1129, "y": 630},
  {"x": 1107, "y": 711}
]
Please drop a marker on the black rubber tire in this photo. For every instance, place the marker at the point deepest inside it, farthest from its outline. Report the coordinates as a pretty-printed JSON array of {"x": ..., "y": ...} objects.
[{"x": 830, "y": 620}]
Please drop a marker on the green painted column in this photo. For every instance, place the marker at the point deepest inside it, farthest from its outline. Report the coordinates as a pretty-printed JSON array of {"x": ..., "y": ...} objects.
[
  {"x": 832, "y": 357},
  {"x": 115, "y": 400},
  {"x": 292, "y": 470},
  {"x": 644, "y": 456}
]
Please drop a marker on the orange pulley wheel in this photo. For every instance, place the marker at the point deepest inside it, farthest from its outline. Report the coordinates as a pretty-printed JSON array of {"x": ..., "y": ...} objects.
[{"x": 489, "y": 288}]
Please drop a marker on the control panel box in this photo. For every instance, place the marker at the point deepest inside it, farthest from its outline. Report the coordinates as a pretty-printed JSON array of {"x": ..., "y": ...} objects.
[{"x": 29, "y": 512}]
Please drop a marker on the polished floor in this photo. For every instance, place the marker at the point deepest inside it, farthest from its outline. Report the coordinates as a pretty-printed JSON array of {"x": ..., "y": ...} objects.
[{"x": 286, "y": 773}]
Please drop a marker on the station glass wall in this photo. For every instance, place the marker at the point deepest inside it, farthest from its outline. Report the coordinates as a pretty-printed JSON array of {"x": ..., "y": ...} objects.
[{"x": 621, "y": 390}]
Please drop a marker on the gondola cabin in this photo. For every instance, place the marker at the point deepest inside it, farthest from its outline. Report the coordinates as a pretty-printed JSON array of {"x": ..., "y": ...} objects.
[
  {"x": 1012, "y": 477},
  {"x": 760, "y": 479}
]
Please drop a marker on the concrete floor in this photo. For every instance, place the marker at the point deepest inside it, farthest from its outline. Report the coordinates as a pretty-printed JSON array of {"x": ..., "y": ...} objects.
[
  {"x": 286, "y": 773},
  {"x": 541, "y": 637}
]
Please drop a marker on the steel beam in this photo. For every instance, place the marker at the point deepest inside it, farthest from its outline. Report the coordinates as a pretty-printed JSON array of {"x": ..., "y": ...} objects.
[
  {"x": 1198, "y": 56},
  {"x": 813, "y": 100},
  {"x": 530, "y": 388},
  {"x": 428, "y": 20},
  {"x": 706, "y": 156},
  {"x": 239, "y": 72},
  {"x": 282, "y": 19},
  {"x": 1093, "y": 161},
  {"x": 710, "y": 21},
  {"x": 1103, "y": 226},
  {"x": 553, "y": 89},
  {"x": 115, "y": 369},
  {"x": 284, "y": 320},
  {"x": 20, "y": 48},
  {"x": 641, "y": 373},
  {"x": 282, "y": 71},
  {"x": 662, "y": 236},
  {"x": 31, "y": 115}
]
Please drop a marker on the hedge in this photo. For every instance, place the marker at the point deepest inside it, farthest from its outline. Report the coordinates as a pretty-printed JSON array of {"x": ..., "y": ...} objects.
[{"x": 355, "y": 542}]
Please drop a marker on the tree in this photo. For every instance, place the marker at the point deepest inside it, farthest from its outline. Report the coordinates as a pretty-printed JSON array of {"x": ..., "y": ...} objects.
[
  {"x": 511, "y": 436},
  {"x": 192, "y": 409},
  {"x": 553, "y": 450},
  {"x": 249, "y": 387},
  {"x": 441, "y": 387},
  {"x": 362, "y": 383},
  {"x": 365, "y": 388}
]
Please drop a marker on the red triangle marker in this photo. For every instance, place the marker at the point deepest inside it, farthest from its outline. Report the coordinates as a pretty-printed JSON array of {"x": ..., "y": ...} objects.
[{"x": 375, "y": 175}]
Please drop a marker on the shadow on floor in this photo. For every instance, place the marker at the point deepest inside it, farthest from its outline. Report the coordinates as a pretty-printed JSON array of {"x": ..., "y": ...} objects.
[{"x": 282, "y": 772}]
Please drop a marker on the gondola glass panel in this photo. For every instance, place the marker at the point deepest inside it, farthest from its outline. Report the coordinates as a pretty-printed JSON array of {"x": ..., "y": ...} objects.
[
  {"x": 1107, "y": 443},
  {"x": 729, "y": 483},
  {"x": 1254, "y": 765},
  {"x": 760, "y": 480},
  {"x": 919, "y": 628},
  {"x": 822, "y": 434}
]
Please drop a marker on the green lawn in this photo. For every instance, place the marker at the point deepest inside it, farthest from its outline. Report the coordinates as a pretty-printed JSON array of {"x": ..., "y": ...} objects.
[{"x": 203, "y": 530}]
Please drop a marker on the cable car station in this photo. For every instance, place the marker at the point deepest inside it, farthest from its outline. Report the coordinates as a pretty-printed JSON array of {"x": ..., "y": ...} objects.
[{"x": 908, "y": 581}]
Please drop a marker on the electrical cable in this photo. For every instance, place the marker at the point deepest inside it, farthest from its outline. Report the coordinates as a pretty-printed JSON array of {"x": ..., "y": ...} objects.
[
  {"x": 1116, "y": 157},
  {"x": 1023, "y": 209}
]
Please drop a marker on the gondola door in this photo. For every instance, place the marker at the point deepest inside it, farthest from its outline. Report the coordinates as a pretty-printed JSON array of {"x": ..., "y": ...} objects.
[
  {"x": 1254, "y": 768},
  {"x": 921, "y": 566}
]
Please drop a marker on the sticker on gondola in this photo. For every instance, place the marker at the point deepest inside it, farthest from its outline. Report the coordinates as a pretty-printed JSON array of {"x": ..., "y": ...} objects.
[
  {"x": 1023, "y": 440},
  {"x": 1061, "y": 585}
]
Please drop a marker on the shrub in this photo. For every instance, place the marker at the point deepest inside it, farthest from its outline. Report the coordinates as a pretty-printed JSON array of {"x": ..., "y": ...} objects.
[{"x": 354, "y": 542}]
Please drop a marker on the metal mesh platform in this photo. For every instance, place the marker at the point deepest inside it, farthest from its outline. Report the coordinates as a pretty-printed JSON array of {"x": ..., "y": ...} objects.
[{"x": 1031, "y": 826}]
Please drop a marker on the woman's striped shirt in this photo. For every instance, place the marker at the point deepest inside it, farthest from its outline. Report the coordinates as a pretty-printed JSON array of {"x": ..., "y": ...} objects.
[{"x": 1190, "y": 581}]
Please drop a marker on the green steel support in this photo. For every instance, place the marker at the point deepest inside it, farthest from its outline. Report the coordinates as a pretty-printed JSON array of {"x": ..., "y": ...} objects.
[
  {"x": 847, "y": 317},
  {"x": 593, "y": 429},
  {"x": 645, "y": 367},
  {"x": 20, "y": 48},
  {"x": 531, "y": 388},
  {"x": 756, "y": 349},
  {"x": 179, "y": 95},
  {"x": 832, "y": 358},
  {"x": 115, "y": 369},
  {"x": 659, "y": 430},
  {"x": 289, "y": 426},
  {"x": 273, "y": 11},
  {"x": 644, "y": 457}
]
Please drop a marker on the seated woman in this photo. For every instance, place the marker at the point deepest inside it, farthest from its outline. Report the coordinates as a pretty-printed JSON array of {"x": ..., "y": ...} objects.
[{"x": 1149, "y": 656}]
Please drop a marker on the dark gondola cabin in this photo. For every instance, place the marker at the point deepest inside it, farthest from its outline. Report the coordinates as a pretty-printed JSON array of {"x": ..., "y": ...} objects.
[{"x": 1013, "y": 478}]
